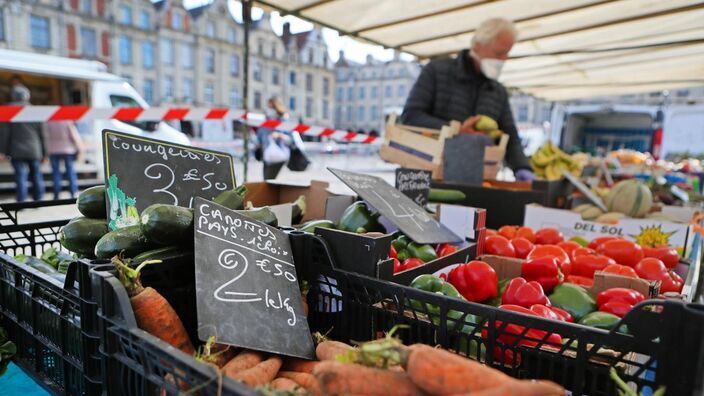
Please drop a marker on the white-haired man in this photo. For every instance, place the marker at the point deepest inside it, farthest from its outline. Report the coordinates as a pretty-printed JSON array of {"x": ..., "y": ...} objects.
[{"x": 463, "y": 87}]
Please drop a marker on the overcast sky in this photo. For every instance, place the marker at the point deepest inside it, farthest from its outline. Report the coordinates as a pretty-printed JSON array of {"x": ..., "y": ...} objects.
[{"x": 354, "y": 50}]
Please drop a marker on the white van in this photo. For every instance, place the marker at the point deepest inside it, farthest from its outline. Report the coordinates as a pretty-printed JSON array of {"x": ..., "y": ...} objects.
[
  {"x": 660, "y": 130},
  {"x": 54, "y": 80}
]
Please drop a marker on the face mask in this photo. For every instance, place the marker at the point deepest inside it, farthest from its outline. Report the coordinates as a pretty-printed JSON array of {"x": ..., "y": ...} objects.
[{"x": 491, "y": 67}]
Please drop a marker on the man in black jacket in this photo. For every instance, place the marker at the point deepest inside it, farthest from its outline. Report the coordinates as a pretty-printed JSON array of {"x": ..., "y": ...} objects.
[{"x": 463, "y": 87}]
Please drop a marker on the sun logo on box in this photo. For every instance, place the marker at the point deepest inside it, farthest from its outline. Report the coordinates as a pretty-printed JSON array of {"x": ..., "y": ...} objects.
[{"x": 653, "y": 236}]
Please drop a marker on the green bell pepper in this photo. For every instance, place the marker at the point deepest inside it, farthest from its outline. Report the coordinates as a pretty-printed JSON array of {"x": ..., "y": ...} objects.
[
  {"x": 600, "y": 320},
  {"x": 423, "y": 252},
  {"x": 573, "y": 299},
  {"x": 496, "y": 301},
  {"x": 357, "y": 218}
]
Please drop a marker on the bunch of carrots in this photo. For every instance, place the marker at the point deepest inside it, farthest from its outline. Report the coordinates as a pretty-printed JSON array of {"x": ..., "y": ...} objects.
[{"x": 380, "y": 367}]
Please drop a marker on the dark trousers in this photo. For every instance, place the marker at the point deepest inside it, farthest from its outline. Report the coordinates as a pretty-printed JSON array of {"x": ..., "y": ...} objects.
[
  {"x": 70, "y": 173},
  {"x": 272, "y": 170},
  {"x": 25, "y": 170}
]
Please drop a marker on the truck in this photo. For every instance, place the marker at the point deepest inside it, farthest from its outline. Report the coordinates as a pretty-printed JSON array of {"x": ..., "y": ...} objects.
[
  {"x": 662, "y": 130},
  {"x": 54, "y": 80}
]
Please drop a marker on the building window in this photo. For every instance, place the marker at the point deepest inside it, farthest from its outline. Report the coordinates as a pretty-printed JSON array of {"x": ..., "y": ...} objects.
[
  {"x": 339, "y": 94},
  {"x": 231, "y": 35},
  {"x": 373, "y": 112},
  {"x": 260, "y": 47},
  {"x": 360, "y": 114},
  {"x": 186, "y": 56},
  {"x": 292, "y": 78},
  {"x": 350, "y": 93},
  {"x": 257, "y": 100},
  {"x": 362, "y": 92},
  {"x": 210, "y": 29},
  {"x": 209, "y": 93},
  {"x": 125, "y": 15},
  {"x": 167, "y": 51},
  {"x": 326, "y": 86},
  {"x": 87, "y": 6},
  {"x": 292, "y": 103},
  {"x": 209, "y": 60},
  {"x": 125, "y": 47},
  {"x": 681, "y": 93},
  {"x": 374, "y": 92},
  {"x": 187, "y": 90},
  {"x": 147, "y": 54},
  {"x": 168, "y": 89},
  {"x": 40, "y": 31},
  {"x": 547, "y": 112},
  {"x": 275, "y": 76},
  {"x": 309, "y": 82},
  {"x": 148, "y": 90},
  {"x": 309, "y": 107},
  {"x": 325, "y": 109},
  {"x": 388, "y": 91},
  {"x": 257, "y": 71},
  {"x": 2, "y": 24},
  {"x": 273, "y": 50},
  {"x": 176, "y": 21},
  {"x": 144, "y": 19},
  {"x": 234, "y": 65},
  {"x": 349, "y": 114},
  {"x": 522, "y": 113},
  {"x": 89, "y": 42},
  {"x": 234, "y": 98},
  {"x": 338, "y": 114},
  {"x": 311, "y": 56},
  {"x": 401, "y": 91}
]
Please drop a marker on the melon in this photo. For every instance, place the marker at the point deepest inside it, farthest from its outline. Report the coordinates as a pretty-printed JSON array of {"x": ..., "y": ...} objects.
[{"x": 630, "y": 197}]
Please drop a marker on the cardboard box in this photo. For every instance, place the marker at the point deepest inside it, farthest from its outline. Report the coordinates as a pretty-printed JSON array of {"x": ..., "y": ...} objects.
[
  {"x": 272, "y": 193},
  {"x": 570, "y": 223}
]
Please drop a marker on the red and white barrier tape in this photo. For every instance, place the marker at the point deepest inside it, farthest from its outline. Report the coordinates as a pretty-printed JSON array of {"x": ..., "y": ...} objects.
[{"x": 86, "y": 113}]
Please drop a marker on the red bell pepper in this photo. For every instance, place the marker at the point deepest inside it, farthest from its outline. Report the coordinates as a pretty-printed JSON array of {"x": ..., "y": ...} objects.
[
  {"x": 616, "y": 307},
  {"x": 545, "y": 312},
  {"x": 671, "y": 283},
  {"x": 522, "y": 293},
  {"x": 586, "y": 261},
  {"x": 666, "y": 254},
  {"x": 629, "y": 296},
  {"x": 580, "y": 280},
  {"x": 622, "y": 270},
  {"x": 411, "y": 263},
  {"x": 392, "y": 252},
  {"x": 445, "y": 249},
  {"x": 397, "y": 265},
  {"x": 544, "y": 270},
  {"x": 654, "y": 269},
  {"x": 476, "y": 281},
  {"x": 562, "y": 314}
]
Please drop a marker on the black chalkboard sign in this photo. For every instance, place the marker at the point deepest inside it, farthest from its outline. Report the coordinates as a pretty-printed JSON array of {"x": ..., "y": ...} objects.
[
  {"x": 415, "y": 183},
  {"x": 410, "y": 218},
  {"x": 140, "y": 171},
  {"x": 247, "y": 291}
]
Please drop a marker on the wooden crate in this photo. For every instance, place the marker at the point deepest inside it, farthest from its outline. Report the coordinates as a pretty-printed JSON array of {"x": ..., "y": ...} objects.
[{"x": 422, "y": 148}]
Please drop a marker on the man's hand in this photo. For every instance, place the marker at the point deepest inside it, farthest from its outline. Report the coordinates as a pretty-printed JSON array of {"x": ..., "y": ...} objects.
[{"x": 468, "y": 125}]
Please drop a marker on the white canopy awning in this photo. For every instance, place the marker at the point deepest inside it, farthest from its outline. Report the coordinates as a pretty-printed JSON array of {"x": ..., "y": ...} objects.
[{"x": 566, "y": 49}]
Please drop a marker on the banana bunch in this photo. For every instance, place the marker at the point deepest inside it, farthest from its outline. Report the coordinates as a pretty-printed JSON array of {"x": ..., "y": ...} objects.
[
  {"x": 488, "y": 126},
  {"x": 549, "y": 162}
]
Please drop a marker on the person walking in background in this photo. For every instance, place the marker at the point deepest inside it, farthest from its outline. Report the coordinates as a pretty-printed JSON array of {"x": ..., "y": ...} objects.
[
  {"x": 273, "y": 146},
  {"x": 25, "y": 144},
  {"x": 65, "y": 145}
]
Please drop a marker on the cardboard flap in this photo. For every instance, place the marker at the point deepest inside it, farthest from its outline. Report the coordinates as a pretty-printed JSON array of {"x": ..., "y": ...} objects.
[{"x": 604, "y": 281}]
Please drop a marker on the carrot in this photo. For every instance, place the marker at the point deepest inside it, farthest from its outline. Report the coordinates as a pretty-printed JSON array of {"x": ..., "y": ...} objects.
[
  {"x": 440, "y": 372},
  {"x": 328, "y": 350},
  {"x": 299, "y": 365},
  {"x": 243, "y": 361},
  {"x": 352, "y": 379},
  {"x": 521, "y": 388},
  {"x": 284, "y": 384},
  {"x": 151, "y": 310},
  {"x": 214, "y": 353},
  {"x": 305, "y": 380},
  {"x": 260, "y": 374}
]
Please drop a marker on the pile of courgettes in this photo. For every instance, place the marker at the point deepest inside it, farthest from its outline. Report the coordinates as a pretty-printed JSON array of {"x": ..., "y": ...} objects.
[{"x": 52, "y": 262}]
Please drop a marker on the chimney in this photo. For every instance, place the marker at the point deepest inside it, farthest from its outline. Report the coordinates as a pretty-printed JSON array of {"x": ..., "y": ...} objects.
[
  {"x": 342, "y": 55},
  {"x": 397, "y": 55},
  {"x": 370, "y": 59},
  {"x": 287, "y": 32}
]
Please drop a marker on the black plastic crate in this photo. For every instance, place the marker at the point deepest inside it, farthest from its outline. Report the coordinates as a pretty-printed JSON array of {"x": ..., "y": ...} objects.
[
  {"x": 664, "y": 344},
  {"x": 51, "y": 323},
  {"x": 134, "y": 361}
]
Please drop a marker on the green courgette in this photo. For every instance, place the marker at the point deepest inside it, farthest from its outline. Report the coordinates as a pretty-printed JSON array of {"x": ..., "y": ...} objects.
[
  {"x": 81, "y": 234},
  {"x": 91, "y": 203},
  {"x": 298, "y": 210},
  {"x": 265, "y": 215},
  {"x": 445, "y": 195},
  {"x": 167, "y": 224},
  {"x": 162, "y": 253},
  {"x": 232, "y": 199},
  {"x": 129, "y": 242},
  {"x": 310, "y": 226}
]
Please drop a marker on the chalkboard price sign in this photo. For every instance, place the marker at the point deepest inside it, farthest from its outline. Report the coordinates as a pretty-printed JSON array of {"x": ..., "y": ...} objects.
[
  {"x": 247, "y": 291},
  {"x": 415, "y": 183},
  {"x": 410, "y": 218},
  {"x": 140, "y": 171}
]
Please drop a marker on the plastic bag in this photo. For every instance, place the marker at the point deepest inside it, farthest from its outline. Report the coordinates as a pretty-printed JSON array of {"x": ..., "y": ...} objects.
[{"x": 276, "y": 152}]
